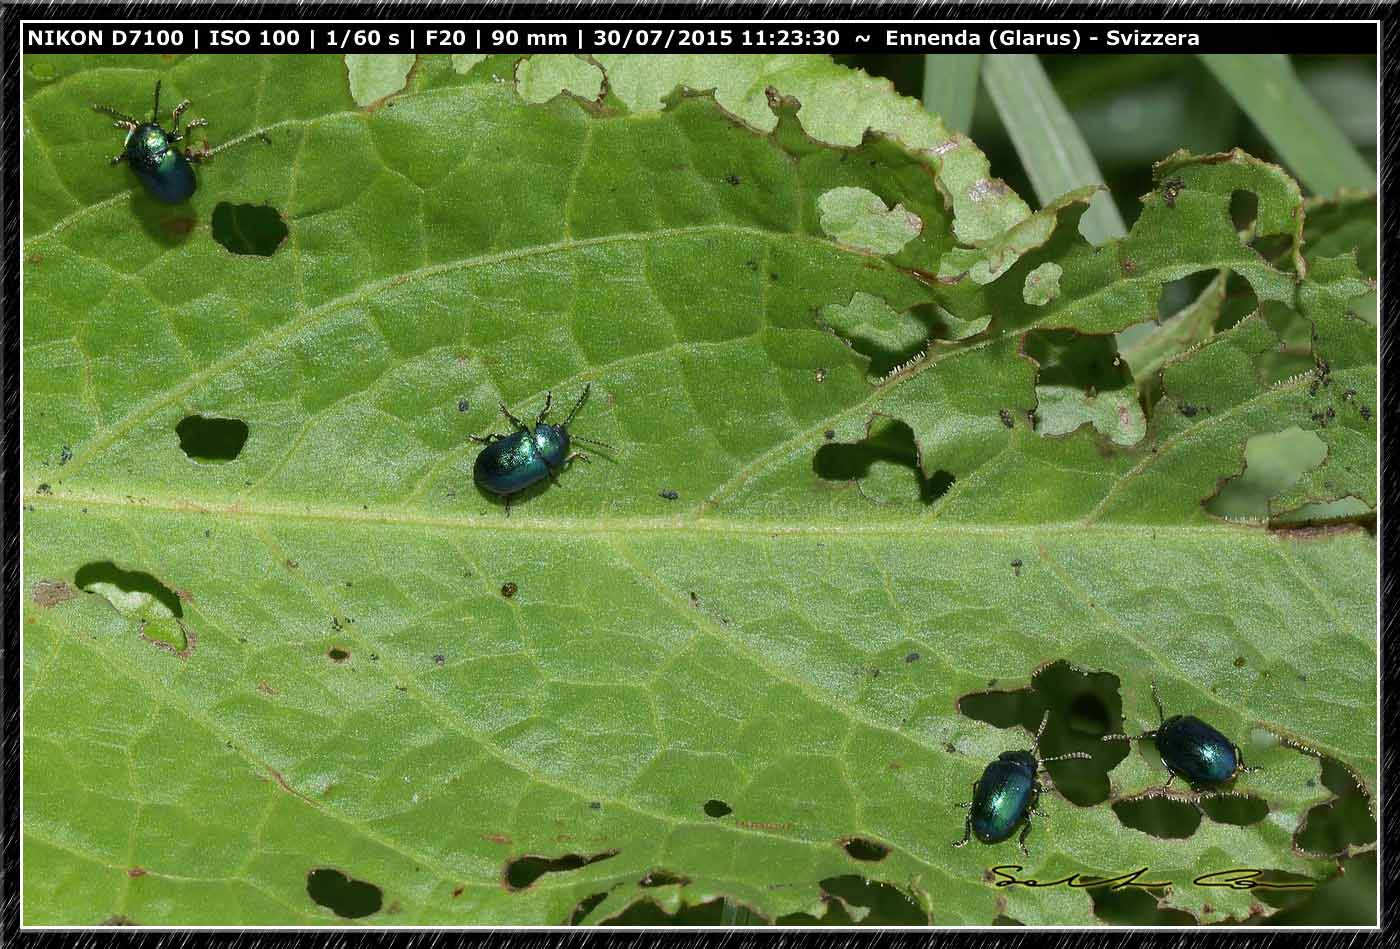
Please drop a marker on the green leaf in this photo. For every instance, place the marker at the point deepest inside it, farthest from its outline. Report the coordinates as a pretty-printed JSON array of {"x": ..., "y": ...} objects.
[
  {"x": 701, "y": 674},
  {"x": 1049, "y": 144},
  {"x": 1312, "y": 145}
]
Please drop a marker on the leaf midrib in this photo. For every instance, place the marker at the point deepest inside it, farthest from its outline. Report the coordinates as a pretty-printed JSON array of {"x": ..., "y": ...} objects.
[{"x": 604, "y": 524}]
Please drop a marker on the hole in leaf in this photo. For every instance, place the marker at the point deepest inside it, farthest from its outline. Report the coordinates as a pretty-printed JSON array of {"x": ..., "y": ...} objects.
[
  {"x": 1347, "y": 899},
  {"x": 1244, "y": 209},
  {"x": 885, "y": 463},
  {"x": 1157, "y": 814},
  {"x": 645, "y": 912},
  {"x": 522, "y": 872},
  {"x": 861, "y": 848},
  {"x": 343, "y": 895},
  {"x": 132, "y": 592},
  {"x": 1273, "y": 463},
  {"x": 585, "y": 906},
  {"x": 337, "y": 654},
  {"x": 1135, "y": 907},
  {"x": 1345, "y": 821},
  {"x": 1239, "y": 809},
  {"x": 249, "y": 229},
  {"x": 886, "y": 905},
  {"x": 663, "y": 878},
  {"x": 1082, "y": 379},
  {"x": 1178, "y": 294},
  {"x": 210, "y": 439},
  {"x": 888, "y": 338},
  {"x": 714, "y": 808},
  {"x": 1084, "y": 706}
]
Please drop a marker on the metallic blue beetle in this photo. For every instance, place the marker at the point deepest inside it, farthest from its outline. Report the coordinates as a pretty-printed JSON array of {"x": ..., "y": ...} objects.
[
  {"x": 1191, "y": 748},
  {"x": 150, "y": 150},
  {"x": 1007, "y": 793},
  {"x": 511, "y": 463}
]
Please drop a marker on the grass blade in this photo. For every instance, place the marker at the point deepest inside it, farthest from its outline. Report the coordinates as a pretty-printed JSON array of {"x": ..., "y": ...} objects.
[
  {"x": 1050, "y": 146},
  {"x": 950, "y": 87},
  {"x": 1309, "y": 141}
]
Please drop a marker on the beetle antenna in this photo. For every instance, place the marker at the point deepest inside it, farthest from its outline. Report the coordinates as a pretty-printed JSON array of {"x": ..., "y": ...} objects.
[
  {"x": 1045, "y": 720},
  {"x": 577, "y": 405},
  {"x": 593, "y": 441},
  {"x": 1068, "y": 754},
  {"x": 155, "y": 111}
]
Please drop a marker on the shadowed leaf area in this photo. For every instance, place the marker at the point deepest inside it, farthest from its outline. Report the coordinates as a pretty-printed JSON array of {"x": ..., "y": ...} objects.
[{"x": 871, "y": 509}]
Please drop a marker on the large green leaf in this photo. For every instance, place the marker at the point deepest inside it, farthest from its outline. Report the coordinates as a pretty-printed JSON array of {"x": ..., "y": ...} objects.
[{"x": 702, "y": 665}]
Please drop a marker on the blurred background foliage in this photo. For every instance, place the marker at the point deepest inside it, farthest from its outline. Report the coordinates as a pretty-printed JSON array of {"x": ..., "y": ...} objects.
[{"x": 1134, "y": 110}]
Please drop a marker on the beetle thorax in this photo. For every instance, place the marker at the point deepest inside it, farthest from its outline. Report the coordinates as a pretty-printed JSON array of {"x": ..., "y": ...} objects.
[{"x": 147, "y": 145}]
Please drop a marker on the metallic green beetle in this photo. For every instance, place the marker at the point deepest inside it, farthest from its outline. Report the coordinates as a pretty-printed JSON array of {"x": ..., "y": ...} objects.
[{"x": 1007, "y": 793}]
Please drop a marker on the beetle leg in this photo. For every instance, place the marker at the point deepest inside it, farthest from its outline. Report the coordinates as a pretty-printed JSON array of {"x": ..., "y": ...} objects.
[
  {"x": 513, "y": 420},
  {"x": 178, "y": 111},
  {"x": 198, "y": 156},
  {"x": 1241, "y": 765},
  {"x": 967, "y": 829},
  {"x": 487, "y": 439},
  {"x": 507, "y": 505},
  {"x": 578, "y": 454},
  {"x": 1021, "y": 841},
  {"x": 117, "y": 158}
]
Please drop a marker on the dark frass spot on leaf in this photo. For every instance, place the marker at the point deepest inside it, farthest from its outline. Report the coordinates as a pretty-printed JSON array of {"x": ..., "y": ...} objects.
[
  {"x": 1170, "y": 189},
  {"x": 716, "y": 808},
  {"x": 1160, "y": 814},
  {"x": 912, "y": 657},
  {"x": 248, "y": 229},
  {"x": 1016, "y": 567},
  {"x": 1234, "y": 807},
  {"x": 439, "y": 659},
  {"x": 663, "y": 878},
  {"x": 862, "y": 848},
  {"x": 338, "y": 654},
  {"x": 508, "y": 589},
  {"x": 1345, "y": 821},
  {"x": 65, "y": 456},
  {"x": 522, "y": 872},
  {"x": 585, "y": 906},
  {"x": 668, "y": 494},
  {"x": 1006, "y": 418},
  {"x": 44, "y": 489},
  {"x": 463, "y": 405},
  {"x": 1189, "y": 410},
  {"x": 132, "y": 592},
  {"x": 343, "y": 895},
  {"x": 734, "y": 180},
  {"x": 210, "y": 439}
]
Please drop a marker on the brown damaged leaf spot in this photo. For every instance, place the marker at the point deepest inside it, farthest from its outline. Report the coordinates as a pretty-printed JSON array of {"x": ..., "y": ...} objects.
[
  {"x": 503, "y": 839},
  {"x": 135, "y": 872},
  {"x": 266, "y": 689},
  {"x": 50, "y": 593}
]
